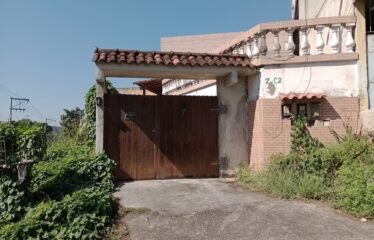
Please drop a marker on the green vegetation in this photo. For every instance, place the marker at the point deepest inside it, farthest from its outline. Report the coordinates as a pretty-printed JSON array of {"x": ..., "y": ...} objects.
[
  {"x": 70, "y": 122},
  {"x": 90, "y": 111},
  {"x": 67, "y": 193},
  {"x": 342, "y": 173},
  {"x": 69, "y": 197},
  {"x": 24, "y": 139}
]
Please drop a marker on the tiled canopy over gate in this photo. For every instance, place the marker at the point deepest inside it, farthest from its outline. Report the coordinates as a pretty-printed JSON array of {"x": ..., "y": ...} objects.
[{"x": 169, "y": 58}]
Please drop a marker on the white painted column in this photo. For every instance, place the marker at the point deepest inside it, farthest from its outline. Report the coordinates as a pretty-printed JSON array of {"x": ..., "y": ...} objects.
[{"x": 100, "y": 91}]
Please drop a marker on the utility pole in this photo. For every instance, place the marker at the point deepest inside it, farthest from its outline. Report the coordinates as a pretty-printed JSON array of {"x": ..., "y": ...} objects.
[
  {"x": 46, "y": 123},
  {"x": 16, "y": 104}
]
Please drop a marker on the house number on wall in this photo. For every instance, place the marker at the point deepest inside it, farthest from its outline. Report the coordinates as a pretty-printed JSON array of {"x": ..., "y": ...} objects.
[{"x": 275, "y": 80}]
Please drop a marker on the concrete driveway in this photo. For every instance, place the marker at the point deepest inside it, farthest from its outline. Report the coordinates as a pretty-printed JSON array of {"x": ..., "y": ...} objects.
[{"x": 213, "y": 209}]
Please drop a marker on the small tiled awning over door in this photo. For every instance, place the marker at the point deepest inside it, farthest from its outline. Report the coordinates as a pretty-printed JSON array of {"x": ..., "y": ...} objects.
[{"x": 301, "y": 96}]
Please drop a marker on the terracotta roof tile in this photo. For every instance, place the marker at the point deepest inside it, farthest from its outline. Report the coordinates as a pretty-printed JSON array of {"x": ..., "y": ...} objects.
[
  {"x": 169, "y": 58},
  {"x": 300, "y": 96}
]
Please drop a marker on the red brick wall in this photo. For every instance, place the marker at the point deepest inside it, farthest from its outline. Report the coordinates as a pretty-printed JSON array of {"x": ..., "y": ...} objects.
[{"x": 269, "y": 133}]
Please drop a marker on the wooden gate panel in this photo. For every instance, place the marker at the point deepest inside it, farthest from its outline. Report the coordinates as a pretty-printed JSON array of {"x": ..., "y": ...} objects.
[
  {"x": 158, "y": 137},
  {"x": 112, "y": 129},
  {"x": 136, "y": 138},
  {"x": 188, "y": 145}
]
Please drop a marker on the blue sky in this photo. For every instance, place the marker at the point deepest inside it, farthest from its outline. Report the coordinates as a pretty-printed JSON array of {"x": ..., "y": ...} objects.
[{"x": 46, "y": 46}]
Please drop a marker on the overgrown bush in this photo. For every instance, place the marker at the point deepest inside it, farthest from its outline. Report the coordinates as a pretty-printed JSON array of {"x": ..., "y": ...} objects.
[
  {"x": 341, "y": 173},
  {"x": 62, "y": 147},
  {"x": 23, "y": 139},
  {"x": 84, "y": 214},
  {"x": 284, "y": 183},
  {"x": 75, "y": 170},
  {"x": 354, "y": 183},
  {"x": 69, "y": 196},
  {"x": 70, "y": 122},
  {"x": 13, "y": 199}
]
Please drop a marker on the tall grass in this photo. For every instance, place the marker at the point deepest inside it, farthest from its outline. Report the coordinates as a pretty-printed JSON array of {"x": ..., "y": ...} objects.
[{"x": 342, "y": 173}]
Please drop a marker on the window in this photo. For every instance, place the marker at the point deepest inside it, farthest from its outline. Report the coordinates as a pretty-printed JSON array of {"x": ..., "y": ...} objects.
[
  {"x": 301, "y": 110},
  {"x": 286, "y": 111},
  {"x": 315, "y": 110}
]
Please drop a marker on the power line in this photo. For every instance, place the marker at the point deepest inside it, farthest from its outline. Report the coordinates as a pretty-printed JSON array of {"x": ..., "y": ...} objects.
[
  {"x": 36, "y": 110},
  {"x": 58, "y": 95},
  {"x": 10, "y": 91},
  {"x": 4, "y": 91}
]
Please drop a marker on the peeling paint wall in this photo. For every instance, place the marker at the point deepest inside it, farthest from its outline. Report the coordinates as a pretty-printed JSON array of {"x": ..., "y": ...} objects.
[
  {"x": 338, "y": 79},
  {"x": 232, "y": 124}
]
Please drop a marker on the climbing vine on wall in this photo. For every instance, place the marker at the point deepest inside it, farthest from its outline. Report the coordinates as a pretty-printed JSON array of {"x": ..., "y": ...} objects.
[{"x": 90, "y": 110}]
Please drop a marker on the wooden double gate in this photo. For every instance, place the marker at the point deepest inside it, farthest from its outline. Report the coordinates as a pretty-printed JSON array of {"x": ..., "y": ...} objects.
[{"x": 160, "y": 137}]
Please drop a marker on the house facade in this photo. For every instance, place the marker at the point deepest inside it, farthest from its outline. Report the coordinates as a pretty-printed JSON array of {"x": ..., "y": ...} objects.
[{"x": 320, "y": 64}]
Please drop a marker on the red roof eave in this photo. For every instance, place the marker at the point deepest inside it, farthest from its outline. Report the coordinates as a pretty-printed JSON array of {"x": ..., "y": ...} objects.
[
  {"x": 300, "y": 96},
  {"x": 119, "y": 56}
]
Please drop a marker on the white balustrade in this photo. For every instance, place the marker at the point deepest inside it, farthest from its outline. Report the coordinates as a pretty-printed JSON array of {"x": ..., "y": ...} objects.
[
  {"x": 255, "y": 49},
  {"x": 263, "y": 47},
  {"x": 235, "y": 51},
  {"x": 320, "y": 44},
  {"x": 304, "y": 46},
  {"x": 290, "y": 45},
  {"x": 241, "y": 48},
  {"x": 335, "y": 42},
  {"x": 350, "y": 42},
  {"x": 247, "y": 48},
  {"x": 277, "y": 47},
  {"x": 256, "y": 44}
]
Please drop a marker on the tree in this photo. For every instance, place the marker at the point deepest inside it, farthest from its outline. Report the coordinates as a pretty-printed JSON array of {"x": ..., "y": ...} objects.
[{"x": 70, "y": 121}]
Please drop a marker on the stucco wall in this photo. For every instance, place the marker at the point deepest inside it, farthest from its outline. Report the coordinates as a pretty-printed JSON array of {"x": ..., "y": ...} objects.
[
  {"x": 325, "y": 8},
  {"x": 197, "y": 43},
  {"x": 232, "y": 132},
  {"x": 208, "y": 91},
  {"x": 334, "y": 79}
]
